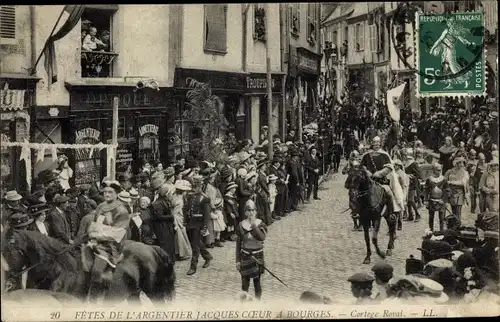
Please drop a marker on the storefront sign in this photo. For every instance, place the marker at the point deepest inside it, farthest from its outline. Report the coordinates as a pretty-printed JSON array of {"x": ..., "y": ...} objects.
[
  {"x": 148, "y": 128},
  {"x": 91, "y": 99},
  {"x": 87, "y": 133},
  {"x": 257, "y": 83},
  {"x": 304, "y": 60},
  {"x": 216, "y": 79},
  {"x": 12, "y": 99},
  {"x": 124, "y": 155}
]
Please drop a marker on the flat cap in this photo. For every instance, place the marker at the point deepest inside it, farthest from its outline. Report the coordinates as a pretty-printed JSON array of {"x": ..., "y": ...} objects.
[
  {"x": 361, "y": 278},
  {"x": 382, "y": 268}
]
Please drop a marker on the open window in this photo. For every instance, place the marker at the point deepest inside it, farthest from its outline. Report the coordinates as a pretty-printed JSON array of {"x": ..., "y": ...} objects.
[{"x": 97, "y": 41}]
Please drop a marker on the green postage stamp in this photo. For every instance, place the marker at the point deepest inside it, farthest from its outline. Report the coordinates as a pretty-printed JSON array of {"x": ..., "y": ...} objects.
[{"x": 450, "y": 54}]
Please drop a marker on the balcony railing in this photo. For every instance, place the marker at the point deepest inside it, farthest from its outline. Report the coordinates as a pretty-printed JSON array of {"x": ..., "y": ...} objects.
[{"x": 97, "y": 63}]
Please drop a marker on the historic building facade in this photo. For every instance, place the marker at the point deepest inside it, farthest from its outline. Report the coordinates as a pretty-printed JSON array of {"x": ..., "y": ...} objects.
[
  {"x": 127, "y": 47},
  {"x": 302, "y": 59}
]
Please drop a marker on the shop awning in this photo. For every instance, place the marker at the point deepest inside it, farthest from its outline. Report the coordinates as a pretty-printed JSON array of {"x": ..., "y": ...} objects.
[{"x": 12, "y": 100}]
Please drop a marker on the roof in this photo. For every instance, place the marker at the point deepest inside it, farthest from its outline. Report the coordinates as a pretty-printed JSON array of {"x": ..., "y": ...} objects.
[{"x": 346, "y": 9}]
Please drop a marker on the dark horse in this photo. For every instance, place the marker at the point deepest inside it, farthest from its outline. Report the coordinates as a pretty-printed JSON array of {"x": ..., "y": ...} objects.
[
  {"x": 142, "y": 268},
  {"x": 371, "y": 200}
]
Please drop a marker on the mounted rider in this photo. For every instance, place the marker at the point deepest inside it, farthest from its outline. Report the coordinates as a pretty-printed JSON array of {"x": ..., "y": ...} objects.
[
  {"x": 379, "y": 166},
  {"x": 106, "y": 233}
]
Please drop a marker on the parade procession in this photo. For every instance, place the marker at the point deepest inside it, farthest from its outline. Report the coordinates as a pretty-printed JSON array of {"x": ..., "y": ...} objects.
[{"x": 321, "y": 154}]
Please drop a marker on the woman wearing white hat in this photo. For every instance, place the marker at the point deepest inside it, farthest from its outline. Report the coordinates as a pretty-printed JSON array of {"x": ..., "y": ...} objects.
[
  {"x": 183, "y": 249},
  {"x": 488, "y": 185},
  {"x": 458, "y": 186}
]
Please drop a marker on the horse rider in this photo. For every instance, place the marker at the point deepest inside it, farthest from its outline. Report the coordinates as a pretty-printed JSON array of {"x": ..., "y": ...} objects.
[
  {"x": 379, "y": 166},
  {"x": 353, "y": 156},
  {"x": 106, "y": 233}
]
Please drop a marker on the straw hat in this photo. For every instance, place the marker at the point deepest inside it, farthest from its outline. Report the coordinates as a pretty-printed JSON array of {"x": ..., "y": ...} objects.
[
  {"x": 494, "y": 161},
  {"x": 183, "y": 185},
  {"x": 125, "y": 197},
  {"x": 13, "y": 196},
  {"x": 134, "y": 194},
  {"x": 230, "y": 186},
  {"x": 250, "y": 175}
]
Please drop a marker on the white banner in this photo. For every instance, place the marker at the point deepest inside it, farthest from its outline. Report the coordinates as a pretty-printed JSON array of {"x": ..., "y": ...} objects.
[{"x": 394, "y": 100}]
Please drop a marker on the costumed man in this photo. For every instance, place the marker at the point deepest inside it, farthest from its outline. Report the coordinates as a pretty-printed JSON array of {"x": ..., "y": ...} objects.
[
  {"x": 353, "y": 195},
  {"x": 435, "y": 188},
  {"x": 489, "y": 186},
  {"x": 413, "y": 172},
  {"x": 379, "y": 166},
  {"x": 337, "y": 152},
  {"x": 481, "y": 168},
  {"x": 106, "y": 233},
  {"x": 471, "y": 168},
  {"x": 197, "y": 216}
]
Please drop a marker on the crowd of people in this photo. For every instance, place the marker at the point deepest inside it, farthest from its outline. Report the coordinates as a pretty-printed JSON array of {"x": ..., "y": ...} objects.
[{"x": 186, "y": 208}]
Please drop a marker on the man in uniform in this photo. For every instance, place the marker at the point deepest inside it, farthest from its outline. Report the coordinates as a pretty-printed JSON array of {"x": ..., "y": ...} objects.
[
  {"x": 378, "y": 163},
  {"x": 196, "y": 216}
]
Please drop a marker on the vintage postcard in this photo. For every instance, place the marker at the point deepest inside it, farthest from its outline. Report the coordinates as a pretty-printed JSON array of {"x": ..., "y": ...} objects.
[{"x": 249, "y": 161}]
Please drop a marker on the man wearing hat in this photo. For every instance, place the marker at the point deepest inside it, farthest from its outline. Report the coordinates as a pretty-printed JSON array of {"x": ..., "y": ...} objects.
[
  {"x": 480, "y": 169},
  {"x": 72, "y": 212},
  {"x": 383, "y": 274},
  {"x": 294, "y": 180},
  {"x": 169, "y": 174},
  {"x": 313, "y": 166},
  {"x": 457, "y": 179},
  {"x": 337, "y": 152},
  {"x": 11, "y": 205},
  {"x": 57, "y": 220},
  {"x": 361, "y": 287},
  {"x": 489, "y": 186},
  {"x": 84, "y": 202},
  {"x": 275, "y": 169},
  {"x": 196, "y": 217}
]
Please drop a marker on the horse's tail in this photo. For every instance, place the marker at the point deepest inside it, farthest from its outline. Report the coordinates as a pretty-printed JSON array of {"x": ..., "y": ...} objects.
[{"x": 166, "y": 273}]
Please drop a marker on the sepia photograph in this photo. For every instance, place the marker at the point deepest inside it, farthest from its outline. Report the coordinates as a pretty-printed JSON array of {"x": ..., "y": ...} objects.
[{"x": 249, "y": 161}]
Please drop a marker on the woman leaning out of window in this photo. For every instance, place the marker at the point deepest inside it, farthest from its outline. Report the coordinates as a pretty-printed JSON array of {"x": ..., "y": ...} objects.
[{"x": 251, "y": 233}]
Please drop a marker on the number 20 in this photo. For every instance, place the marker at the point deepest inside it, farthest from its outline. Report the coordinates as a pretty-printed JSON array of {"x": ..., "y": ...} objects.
[
  {"x": 55, "y": 315},
  {"x": 431, "y": 72}
]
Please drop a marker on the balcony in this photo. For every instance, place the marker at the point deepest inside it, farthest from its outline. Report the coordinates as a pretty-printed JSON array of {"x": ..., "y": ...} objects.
[{"x": 97, "y": 63}]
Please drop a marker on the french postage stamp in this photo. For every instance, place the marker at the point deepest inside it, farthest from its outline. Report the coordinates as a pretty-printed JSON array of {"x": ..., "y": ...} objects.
[{"x": 450, "y": 55}]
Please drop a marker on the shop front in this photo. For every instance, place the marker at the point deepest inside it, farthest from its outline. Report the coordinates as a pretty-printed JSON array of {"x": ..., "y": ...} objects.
[
  {"x": 16, "y": 98},
  {"x": 256, "y": 97},
  {"x": 304, "y": 71},
  {"x": 143, "y": 122},
  {"x": 228, "y": 86}
]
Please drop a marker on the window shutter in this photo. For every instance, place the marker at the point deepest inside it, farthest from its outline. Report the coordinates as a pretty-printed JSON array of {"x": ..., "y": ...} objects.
[
  {"x": 8, "y": 24},
  {"x": 362, "y": 36},
  {"x": 216, "y": 27},
  {"x": 298, "y": 16},
  {"x": 290, "y": 16},
  {"x": 372, "y": 38}
]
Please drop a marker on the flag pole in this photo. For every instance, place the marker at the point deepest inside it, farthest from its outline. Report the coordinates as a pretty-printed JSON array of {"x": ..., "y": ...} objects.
[{"x": 33, "y": 69}]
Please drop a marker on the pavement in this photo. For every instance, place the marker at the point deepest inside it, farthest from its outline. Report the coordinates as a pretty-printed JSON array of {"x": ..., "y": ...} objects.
[{"x": 310, "y": 250}]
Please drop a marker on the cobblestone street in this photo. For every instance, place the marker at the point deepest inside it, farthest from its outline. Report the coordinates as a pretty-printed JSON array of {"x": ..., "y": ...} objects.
[{"x": 314, "y": 249}]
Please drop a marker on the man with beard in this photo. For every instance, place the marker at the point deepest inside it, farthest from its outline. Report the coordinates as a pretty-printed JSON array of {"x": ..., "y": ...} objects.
[{"x": 196, "y": 216}]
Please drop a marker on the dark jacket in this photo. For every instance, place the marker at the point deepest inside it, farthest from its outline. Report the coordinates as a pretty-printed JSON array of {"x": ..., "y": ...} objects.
[
  {"x": 197, "y": 210},
  {"x": 293, "y": 170},
  {"x": 313, "y": 164},
  {"x": 59, "y": 225},
  {"x": 162, "y": 222}
]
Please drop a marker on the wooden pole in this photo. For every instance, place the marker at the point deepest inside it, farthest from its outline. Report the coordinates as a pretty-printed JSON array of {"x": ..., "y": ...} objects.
[
  {"x": 114, "y": 138},
  {"x": 299, "y": 109},
  {"x": 269, "y": 89}
]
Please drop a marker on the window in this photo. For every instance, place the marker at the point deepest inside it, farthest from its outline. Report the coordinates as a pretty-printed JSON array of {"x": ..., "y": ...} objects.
[
  {"x": 215, "y": 28},
  {"x": 312, "y": 23},
  {"x": 373, "y": 38},
  {"x": 97, "y": 41},
  {"x": 335, "y": 38},
  {"x": 359, "y": 34},
  {"x": 259, "y": 24},
  {"x": 294, "y": 14},
  {"x": 7, "y": 25}
]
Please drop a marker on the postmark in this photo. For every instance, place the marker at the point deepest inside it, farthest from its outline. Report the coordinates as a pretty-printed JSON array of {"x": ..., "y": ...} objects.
[{"x": 449, "y": 54}]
